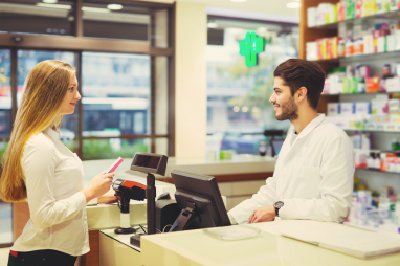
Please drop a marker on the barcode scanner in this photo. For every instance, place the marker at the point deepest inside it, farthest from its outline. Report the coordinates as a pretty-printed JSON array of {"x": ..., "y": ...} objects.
[{"x": 125, "y": 190}]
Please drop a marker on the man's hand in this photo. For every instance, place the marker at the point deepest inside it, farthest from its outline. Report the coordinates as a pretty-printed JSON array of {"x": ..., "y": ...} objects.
[
  {"x": 263, "y": 214},
  {"x": 108, "y": 197}
]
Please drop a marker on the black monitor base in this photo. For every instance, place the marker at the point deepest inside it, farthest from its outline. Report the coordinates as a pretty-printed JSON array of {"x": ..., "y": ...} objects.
[{"x": 124, "y": 230}]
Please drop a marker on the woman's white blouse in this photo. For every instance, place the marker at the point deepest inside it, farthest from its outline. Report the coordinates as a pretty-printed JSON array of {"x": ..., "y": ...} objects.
[{"x": 54, "y": 182}]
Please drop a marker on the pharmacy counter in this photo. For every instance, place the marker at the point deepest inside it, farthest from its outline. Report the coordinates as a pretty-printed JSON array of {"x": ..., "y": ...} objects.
[{"x": 196, "y": 247}]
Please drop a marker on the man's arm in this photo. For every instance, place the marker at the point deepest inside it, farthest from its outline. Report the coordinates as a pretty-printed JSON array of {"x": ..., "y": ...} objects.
[
  {"x": 265, "y": 196},
  {"x": 335, "y": 191}
]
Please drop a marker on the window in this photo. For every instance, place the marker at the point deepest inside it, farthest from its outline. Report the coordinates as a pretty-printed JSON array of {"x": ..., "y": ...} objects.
[
  {"x": 37, "y": 17},
  {"x": 5, "y": 97},
  {"x": 125, "y": 21},
  {"x": 27, "y": 59},
  {"x": 238, "y": 110},
  {"x": 116, "y": 102}
]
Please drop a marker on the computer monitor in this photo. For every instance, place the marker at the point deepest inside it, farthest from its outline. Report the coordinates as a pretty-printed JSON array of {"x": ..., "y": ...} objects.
[
  {"x": 200, "y": 201},
  {"x": 276, "y": 146}
]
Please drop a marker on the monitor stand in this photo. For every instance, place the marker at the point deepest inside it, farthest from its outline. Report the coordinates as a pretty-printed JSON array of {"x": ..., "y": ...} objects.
[
  {"x": 183, "y": 219},
  {"x": 151, "y": 210}
]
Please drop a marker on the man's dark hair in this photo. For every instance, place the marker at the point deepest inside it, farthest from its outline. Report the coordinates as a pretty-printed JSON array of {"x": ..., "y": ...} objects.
[{"x": 298, "y": 73}]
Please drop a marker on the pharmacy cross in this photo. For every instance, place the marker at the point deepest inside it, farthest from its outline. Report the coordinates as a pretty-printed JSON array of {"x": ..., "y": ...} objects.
[{"x": 250, "y": 47}]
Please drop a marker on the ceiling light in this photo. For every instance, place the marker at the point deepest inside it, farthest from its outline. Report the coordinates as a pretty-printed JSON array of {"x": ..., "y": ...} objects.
[
  {"x": 114, "y": 6},
  {"x": 54, "y": 6},
  {"x": 95, "y": 9},
  {"x": 238, "y": 1},
  {"x": 293, "y": 5},
  {"x": 50, "y": 1}
]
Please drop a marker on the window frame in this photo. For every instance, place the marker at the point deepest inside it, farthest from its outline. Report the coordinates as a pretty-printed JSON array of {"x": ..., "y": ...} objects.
[{"x": 79, "y": 44}]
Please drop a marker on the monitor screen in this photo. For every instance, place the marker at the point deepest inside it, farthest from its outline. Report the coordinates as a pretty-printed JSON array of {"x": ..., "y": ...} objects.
[
  {"x": 200, "y": 201},
  {"x": 149, "y": 163},
  {"x": 276, "y": 145}
]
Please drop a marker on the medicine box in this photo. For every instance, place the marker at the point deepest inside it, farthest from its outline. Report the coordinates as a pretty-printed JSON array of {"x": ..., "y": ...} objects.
[{"x": 347, "y": 108}]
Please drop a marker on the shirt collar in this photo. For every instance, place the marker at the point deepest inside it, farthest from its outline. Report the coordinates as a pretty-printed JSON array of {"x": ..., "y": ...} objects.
[
  {"x": 53, "y": 134},
  {"x": 313, "y": 124}
]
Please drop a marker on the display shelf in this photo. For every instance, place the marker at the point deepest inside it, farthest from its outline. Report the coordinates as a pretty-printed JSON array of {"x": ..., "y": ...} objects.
[
  {"x": 376, "y": 170},
  {"x": 361, "y": 93},
  {"x": 372, "y": 130},
  {"x": 390, "y": 55},
  {"x": 377, "y": 18},
  {"x": 381, "y": 131}
]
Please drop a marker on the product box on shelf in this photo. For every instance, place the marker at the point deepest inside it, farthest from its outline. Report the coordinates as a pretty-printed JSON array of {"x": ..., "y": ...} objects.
[
  {"x": 372, "y": 84},
  {"x": 368, "y": 8},
  {"x": 341, "y": 10},
  {"x": 362, "y": 108},
  {"x": 311, "y": 16},
  {"x": 333, "y": 109},
  {"x": 346, "y": 109},
  {"x": 394, "y": 106},
  {"x": 392, "y": 84}
]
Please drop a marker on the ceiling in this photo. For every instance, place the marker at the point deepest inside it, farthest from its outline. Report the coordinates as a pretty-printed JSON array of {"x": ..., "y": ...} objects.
[{"x": 273, "y": 10}]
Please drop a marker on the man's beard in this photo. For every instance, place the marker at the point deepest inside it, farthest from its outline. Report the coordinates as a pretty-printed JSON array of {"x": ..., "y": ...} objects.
[{"x": 289, "y": 111}]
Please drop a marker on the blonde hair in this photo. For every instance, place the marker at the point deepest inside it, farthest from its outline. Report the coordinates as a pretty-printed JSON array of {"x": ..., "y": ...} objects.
[{"x": 45, "y": 87}]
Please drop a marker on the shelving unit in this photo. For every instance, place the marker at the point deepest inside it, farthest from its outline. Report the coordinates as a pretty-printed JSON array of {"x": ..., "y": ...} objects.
[{"x": 381, "y": 137}]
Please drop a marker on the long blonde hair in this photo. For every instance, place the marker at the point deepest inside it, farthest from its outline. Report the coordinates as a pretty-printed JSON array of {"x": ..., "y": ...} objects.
[{"x": 45, "y": 87}]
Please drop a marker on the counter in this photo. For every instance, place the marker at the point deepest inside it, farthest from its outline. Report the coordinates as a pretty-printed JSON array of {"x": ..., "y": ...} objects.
[{"x": 195, "y": 247}]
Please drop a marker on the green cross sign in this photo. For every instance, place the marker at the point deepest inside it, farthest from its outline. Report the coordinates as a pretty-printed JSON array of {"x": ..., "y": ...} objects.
[{"x": 250, "y": 47}]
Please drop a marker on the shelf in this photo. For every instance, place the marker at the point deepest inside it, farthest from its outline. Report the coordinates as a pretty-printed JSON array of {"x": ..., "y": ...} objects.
[
  {"x": 375, "y": 170},
  {"x": 392, "y": 55},
  {"x": 372, "y": 130},
  {"x": 378, "y": 18},
  {"x": 361, "y": 93}
]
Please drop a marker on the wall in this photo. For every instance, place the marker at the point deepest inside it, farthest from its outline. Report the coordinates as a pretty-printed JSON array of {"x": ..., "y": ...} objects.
[{"x": 190, "y": 80}]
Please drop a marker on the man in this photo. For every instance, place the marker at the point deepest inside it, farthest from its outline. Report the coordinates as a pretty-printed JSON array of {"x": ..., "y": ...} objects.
[{"x": 313, "y": 176}]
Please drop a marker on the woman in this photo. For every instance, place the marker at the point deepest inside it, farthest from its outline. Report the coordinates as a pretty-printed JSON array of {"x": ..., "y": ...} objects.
[{"x": 38, "y": 167}]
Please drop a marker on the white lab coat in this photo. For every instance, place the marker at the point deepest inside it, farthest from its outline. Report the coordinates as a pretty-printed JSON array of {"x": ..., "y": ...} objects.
[{"x": 313, "y": 176}]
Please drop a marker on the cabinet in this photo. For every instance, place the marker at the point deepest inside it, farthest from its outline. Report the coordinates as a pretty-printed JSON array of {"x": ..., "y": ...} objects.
[{"x": 369, "y": 44}]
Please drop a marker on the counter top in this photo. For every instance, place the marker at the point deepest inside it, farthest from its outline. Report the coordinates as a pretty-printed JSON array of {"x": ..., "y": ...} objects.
[
  {"x": 195, "y": 247},
  {"x": 239, "y": 164}
]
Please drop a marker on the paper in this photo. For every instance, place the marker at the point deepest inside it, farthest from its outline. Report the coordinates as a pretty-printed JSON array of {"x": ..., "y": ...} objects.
[
  {"x": 352, "y": 241},
  {"x": 237, "y": 232}
]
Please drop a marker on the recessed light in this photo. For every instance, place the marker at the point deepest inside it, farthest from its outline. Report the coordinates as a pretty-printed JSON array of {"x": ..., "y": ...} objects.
[
  {"x": 50, "y": 1},
  {"x": 293, "y": 5},
  {"x": 91, "y": 9},
  {"x": 58, "y": 6},
  {"x": 238, "y": 1},
  {"x": 114, "y": 6}
]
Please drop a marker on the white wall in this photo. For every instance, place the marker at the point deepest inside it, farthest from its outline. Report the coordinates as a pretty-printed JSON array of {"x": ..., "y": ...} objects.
[{"x": 190, "y": 80}]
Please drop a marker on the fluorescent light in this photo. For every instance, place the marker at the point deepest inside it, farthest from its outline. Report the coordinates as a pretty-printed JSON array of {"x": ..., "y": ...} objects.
[
  {"x": 238, "y": 1},
  {"x": 59, "y": 6},
  {"x": 293, "y": 5},
  {"x": 90, "y": 9},
  {"x": 114, "y": 6},
  {"x": 50, "y": 1}
]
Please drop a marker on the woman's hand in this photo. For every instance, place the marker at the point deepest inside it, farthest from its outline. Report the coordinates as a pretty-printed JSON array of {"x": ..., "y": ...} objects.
[
  {"x": 263, "y": 214},
  {"x": 99, "y": 185}
]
